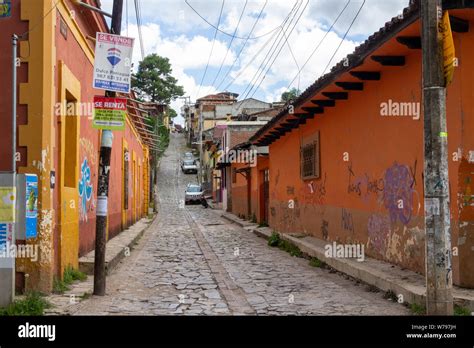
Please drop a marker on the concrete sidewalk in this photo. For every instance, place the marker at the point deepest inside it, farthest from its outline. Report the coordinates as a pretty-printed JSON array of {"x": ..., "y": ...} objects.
[
  {"x": 383, "y": 275},
  {"x": 68, "y": 302},
  {"x": 116, "y": 247}
]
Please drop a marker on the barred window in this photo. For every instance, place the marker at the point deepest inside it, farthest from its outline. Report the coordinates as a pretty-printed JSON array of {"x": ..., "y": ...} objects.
[{"x": 310, "y": 165}]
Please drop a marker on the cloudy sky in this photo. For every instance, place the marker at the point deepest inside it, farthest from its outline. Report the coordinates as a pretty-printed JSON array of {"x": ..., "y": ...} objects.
[{"x": 260, "y": 46}]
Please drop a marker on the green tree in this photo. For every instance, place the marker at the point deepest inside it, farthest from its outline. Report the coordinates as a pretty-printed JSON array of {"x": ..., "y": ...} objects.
[
  {"x": 172, "y": 113},
  {"x": 292, "y": 94},
  {"x": 154, "y": 82}
]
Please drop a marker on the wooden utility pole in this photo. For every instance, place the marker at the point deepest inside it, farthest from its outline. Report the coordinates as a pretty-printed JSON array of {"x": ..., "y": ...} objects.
[
  {"x": 439, "y": 298},
  {"x": 103, "y": 183}
]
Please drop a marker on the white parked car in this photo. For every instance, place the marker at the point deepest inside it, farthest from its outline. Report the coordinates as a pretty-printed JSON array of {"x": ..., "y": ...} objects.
[
  {"x": 193, "y": 194},
  {"x": 189, "y": 166}
]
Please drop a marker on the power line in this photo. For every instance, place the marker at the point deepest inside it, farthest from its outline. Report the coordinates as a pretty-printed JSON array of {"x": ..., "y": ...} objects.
[
  {"x": 319, "y": 43},
  {"x": 278, "y": 53},
  {"x": 293, "y": 55},
  {"x": 284, "y": 34},
  {"x": 212, "y": 49},
  {"x": 228, "y": 34},
  {"x": 230, "y": 44},
  {"x": 142, "y": 45},
  {"x": 250, "y": 61},
  {"x": 40, "y": 21},
  {"x": 244, "y": 44},
  {"x": 265, "y": 61},
  {"x": 344, "y": 37},
  {"x": 139, "y": 25}
]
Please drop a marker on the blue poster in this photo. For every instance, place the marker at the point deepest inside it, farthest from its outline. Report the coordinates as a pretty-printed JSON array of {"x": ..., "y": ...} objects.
[
  {"x": 6, "y": 230},
  {"x": 31, "y": 205},
  {"x": 5, "y": 8}
]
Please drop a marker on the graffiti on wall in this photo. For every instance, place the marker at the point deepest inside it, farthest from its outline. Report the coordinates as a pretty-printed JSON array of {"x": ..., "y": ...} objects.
[
  {"x": 325, "y": 229},
  {"x": 85, "y": 188},
  {"x": 364, "y": 185},
  {"x": 398, "y": 193},
  {"x": 378, "y": 229},
  {"x": 314, "y": 192},
  {"x": 354, "y": 184},
  {"x": 347, "y": 222}
]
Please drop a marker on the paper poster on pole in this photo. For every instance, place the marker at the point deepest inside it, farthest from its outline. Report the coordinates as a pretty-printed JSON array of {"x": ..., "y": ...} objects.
[
  {"x": 109, "y": 113},
  {"x": 5, "y": 8},
  {"x": 7, "y": 204},
  {"x": 449, "y": 55},
  {"x": 113, "y": 57},
  {"x": 31, "y": 210}
]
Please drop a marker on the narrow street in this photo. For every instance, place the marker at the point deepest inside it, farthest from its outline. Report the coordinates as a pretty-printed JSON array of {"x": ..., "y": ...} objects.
[{"x": 186, "y": 263}]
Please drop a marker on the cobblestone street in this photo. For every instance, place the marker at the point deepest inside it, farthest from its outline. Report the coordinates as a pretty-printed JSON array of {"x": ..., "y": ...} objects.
[{"x": 191, "y": 261}]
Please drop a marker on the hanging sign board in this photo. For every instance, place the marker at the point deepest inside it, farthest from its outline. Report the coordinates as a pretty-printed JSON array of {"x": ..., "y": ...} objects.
[
  {"x": 113, "y": 57},
  {"x": 109, "y": 113}
]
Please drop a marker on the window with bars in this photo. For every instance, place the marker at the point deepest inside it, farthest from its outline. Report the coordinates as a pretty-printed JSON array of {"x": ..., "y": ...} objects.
[{"x": 309, "y": 158}]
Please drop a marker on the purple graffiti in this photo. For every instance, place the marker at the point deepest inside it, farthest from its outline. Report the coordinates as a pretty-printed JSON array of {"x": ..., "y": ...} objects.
[
  {"x": 398, "y": 193},
  {"x": 378, "y": 229}
]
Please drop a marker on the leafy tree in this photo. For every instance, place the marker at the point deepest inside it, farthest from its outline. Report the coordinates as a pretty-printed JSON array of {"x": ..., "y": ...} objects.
[
  {"x": 172, "y": 113},
  {"x": 292, "y": 94},
  {"x": 154, "y": 82}
]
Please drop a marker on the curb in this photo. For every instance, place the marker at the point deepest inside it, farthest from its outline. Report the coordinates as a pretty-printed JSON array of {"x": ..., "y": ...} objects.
[
  {"x": 86, "y": 263},
  {"x": 383, "y": 276}
]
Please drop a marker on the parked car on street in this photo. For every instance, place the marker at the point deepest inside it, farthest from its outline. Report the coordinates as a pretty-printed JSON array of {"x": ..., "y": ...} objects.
[
  {"x": 188, "y": 156},
  {"x": 193, "y": 194},
  {"x": 188, "y": 166}
]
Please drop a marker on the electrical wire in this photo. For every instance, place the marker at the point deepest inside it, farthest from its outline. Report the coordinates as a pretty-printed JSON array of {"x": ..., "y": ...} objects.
[
  {"x": 319, "y": 44},
  {"x": 228, "y": 34},
  {"x": 344, "y": 37},
  {"x": 284, "y": 34},
  {"x": 243, "y": 46},
  {"x": 212, "y": 49},
  {"x": 250, "y": 61},
  {"x": 272, "y": 50},
  {"x": 126, "y": 13},
  {"x": 139, "y": 25},
  {"x": 230, "y": 45},
  {"x": 40, "y": 21},
  {"x": 278, "y": 53}
]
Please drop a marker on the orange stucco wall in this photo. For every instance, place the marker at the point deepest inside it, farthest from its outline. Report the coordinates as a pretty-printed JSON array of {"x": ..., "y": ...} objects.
[
  {"x": 369, "y": 161},
  {"x": 240, "y": 191}
]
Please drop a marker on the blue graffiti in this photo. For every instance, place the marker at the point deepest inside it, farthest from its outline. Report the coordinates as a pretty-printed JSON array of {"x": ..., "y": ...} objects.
[{"x": 85, "y": 188}]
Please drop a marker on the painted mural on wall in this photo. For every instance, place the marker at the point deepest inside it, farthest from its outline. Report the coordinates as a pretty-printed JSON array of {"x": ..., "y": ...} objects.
[{"x": 85, "y": 189}]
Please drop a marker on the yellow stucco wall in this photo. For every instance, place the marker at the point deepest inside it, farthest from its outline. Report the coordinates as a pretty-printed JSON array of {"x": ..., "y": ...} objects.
[
  {"x": 69, "y": 168},
  {"x": 38, "y": 94}
]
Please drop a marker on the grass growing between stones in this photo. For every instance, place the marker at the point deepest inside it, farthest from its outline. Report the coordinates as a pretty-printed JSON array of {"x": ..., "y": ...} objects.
[
  {"x": 417, "y": 309},
  {"x": 70, "y": 276},
  {"x": 462, "y": 311},
  {"x": 276, "y": 241},
  {"x": 315, "y": 262},
  {"x": 32, "y": 304}
]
